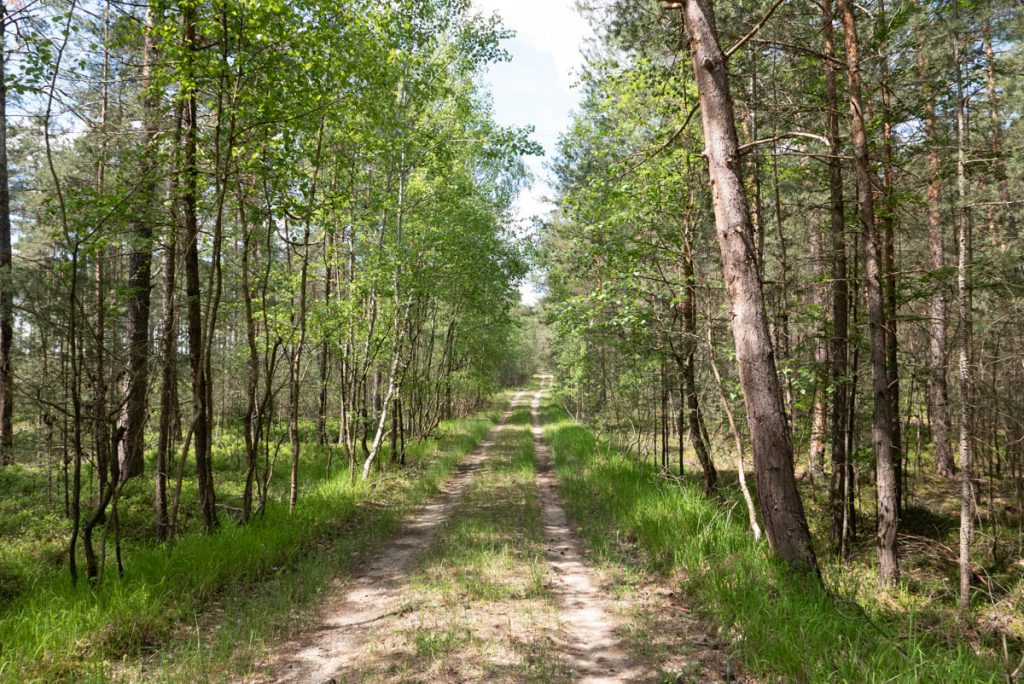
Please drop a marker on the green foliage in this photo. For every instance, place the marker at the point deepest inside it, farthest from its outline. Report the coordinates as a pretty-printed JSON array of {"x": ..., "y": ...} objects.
[
  {"x": 781, "y": 624},
  {"x": 51, "y": 631}
]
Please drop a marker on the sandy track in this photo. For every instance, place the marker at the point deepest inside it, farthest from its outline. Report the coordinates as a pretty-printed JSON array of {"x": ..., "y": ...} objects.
[
  {"x": 329, "y": 650},
  {"x": 588, "y": 629},
  {"x": 379, "y": 603}
]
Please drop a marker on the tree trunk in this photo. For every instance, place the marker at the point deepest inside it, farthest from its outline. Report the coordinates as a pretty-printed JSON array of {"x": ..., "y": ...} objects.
[
  {"x": 76, "y": 416},
  {"x": 296, "y": 373},
  {"x": 695, "y": 420},
  {"x": 6, "y": 283},
  {"x": 401, "y": 430},
  {"x": 399, "y": 327},
  {"x": 838, "y": 368},
  {"x": 781, "y": 507},
  {"x": 106, "y": 464},
  {"x": 378, "y": 437},
  {"x": 253, "y": 420},
  {"x": 938, "y": 394},
  {"x": 888, "y": 216},
  {"x": 136, "y": 378},
  {"x": 1007, "y": 213},
  {"x": 819, "y": 409},
  {"x": 756, "y": 210},
  {"x": 741, "y": 469},
  {"x": 168, "y": 381},
  {"x": 325, "y": 366},
  {"x": 964, "y": 343},
  {"x": 881, "y": 427},
  {"x": 200, "y": 381}
]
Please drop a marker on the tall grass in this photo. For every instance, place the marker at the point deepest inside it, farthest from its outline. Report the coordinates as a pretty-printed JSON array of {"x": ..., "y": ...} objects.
[
  {"x": 779, "y": 622},
  {"x": 54, "y": 631}
]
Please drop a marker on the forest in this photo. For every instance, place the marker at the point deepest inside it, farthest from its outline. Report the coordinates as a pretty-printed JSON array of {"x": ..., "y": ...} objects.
[{"x": 274, "y": 406}]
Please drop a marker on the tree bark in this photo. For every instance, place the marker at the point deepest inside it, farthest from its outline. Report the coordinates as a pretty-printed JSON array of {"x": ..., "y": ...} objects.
[
  {"x": 6, "y": 270},
  {"x": 136, "y": 378},
  {"x": 964, "y": 342},
  {"x": 839, "y": 367},
  {"x": 781, "y": 507},
  {"x": 938, "y": 394},
  {"x": 881, "y": 426},
  {"x": 196, "y": 342}
]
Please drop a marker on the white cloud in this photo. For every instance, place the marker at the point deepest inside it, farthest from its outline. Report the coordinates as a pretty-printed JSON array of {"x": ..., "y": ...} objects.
[
  {"x": 536, "y": 88},
  {"x": 553, "y": 27}
]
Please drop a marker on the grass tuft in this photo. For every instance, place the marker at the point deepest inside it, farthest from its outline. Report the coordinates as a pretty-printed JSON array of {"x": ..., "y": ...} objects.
[
  {"x": 779, "y": 622},
  {"x": 213, "y": 604}
]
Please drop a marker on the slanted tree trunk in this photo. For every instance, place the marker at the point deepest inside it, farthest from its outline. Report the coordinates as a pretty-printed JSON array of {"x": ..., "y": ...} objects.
[
  {"x": 781, "y": 507},
  {"x": 399, "y": 327},
  {"x": 695, "y": 420},
  {"x": 741, "y": 468},
  {"x": 881, "y": 425},
  {"x": 389, "y": 395}
]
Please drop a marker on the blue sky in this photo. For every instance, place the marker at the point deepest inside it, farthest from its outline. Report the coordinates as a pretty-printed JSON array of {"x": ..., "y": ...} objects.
[{"x": 536, "y": 86}]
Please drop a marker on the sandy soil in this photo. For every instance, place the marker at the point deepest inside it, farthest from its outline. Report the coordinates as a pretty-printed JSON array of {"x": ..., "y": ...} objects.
[
  {"x": 588, "y": 629},
  {"x": 490, "y": 583},
  {"x": 377, "y": 591}
]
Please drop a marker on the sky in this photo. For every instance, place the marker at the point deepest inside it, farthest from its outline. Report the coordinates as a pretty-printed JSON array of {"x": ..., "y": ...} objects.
[{"x": 536, "y": 86}]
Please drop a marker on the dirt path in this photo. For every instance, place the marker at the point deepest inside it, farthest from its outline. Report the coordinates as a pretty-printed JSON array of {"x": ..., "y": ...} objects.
[
  {"x": 488, "y": 583},
  {"x": 588, "y": 627},
  {"x": 378, "y": 591}
]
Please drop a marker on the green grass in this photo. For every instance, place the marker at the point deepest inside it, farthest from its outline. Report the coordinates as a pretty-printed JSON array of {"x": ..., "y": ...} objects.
[
  {"x": 479, "y": 607},
  {"x": 436, "y": 644},
  {"x": 209, "y": 606},
  {"x": 491, "y": 548},
  {"x": 778, "y": 622}
]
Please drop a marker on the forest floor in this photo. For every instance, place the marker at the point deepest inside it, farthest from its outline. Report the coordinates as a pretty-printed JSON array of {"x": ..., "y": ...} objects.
[
  {"x": 212, "y": 606},
  {"x": 489, "y": 582},
  {"x": 781, "y": 625}
]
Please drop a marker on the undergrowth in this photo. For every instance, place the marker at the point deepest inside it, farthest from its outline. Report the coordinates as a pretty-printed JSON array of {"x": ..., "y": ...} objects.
[
  {"x": 780, "y": 623},
  {"x": 213, "y": 603}
]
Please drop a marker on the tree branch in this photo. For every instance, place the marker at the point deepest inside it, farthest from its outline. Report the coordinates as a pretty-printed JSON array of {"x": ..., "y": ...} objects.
[{"x": 783, "y": 136}]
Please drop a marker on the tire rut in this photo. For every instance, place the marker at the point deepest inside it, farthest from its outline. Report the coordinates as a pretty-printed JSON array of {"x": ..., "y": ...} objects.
[
  {"x": 328, "y": 651},
  {"x": 591, "y": 645}
]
